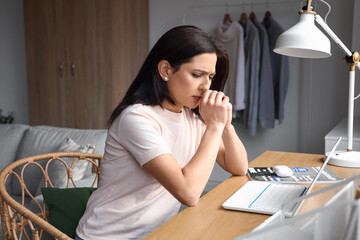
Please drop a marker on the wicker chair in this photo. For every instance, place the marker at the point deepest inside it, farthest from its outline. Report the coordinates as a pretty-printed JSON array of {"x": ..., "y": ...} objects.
[{"x": 18, "y": 222}]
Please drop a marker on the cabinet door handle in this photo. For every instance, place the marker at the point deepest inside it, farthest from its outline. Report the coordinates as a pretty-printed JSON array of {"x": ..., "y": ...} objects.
[
  {"x": 73, "y": 69},
  {"x": 61, "y": 69}
]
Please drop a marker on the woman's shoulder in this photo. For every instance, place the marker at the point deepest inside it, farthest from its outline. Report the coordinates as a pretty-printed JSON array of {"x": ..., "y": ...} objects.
[
  {"x": 138, "y": 109},
  {"x": 135, "y": 116},
  {"x": 137, "y": 112},
  {"x": 157, "y": 113}
]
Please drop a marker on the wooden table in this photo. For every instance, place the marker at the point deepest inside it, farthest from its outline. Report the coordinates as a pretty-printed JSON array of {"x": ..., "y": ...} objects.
[{"x": 208, "y": 220}]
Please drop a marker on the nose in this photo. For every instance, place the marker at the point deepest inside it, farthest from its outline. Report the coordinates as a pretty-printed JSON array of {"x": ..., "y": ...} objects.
[{"x": 205, "y": 85}]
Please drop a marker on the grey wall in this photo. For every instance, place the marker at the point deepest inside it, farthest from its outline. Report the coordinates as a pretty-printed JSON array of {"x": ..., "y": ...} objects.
[
  {"x": 318, "y": 90},
  {"x": 13, "y": 79},
  {"x": 356, "y": 32}
]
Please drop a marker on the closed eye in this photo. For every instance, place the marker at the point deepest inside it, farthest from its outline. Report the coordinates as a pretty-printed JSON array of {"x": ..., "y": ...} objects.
[{"x": 196, "y": 75}]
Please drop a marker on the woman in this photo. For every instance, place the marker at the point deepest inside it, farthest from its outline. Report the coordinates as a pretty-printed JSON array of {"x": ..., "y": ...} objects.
[{"x": 164, "y": 139}]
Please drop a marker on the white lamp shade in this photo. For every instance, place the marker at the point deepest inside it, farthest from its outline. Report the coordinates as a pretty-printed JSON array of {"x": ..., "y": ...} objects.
[{"x": 303, "y": 40}]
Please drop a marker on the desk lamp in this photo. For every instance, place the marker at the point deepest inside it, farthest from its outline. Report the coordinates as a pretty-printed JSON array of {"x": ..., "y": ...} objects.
[{"x": 305, "y": 40}]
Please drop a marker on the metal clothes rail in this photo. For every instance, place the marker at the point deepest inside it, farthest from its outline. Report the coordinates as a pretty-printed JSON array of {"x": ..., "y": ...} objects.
[{"x": 244, "y": 4}]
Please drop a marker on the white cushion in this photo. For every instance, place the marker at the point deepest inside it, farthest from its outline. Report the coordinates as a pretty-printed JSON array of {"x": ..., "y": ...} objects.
[
  {"x": 57, "y": 171},
  {"x": 46, "y": 139}
]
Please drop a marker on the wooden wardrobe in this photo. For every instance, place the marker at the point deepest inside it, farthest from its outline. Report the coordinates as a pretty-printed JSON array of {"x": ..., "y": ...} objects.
[{"x": 82, "y": 55}]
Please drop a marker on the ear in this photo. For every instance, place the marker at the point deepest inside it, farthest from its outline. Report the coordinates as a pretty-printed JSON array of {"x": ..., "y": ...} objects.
[{"x": 164, "y": 69}]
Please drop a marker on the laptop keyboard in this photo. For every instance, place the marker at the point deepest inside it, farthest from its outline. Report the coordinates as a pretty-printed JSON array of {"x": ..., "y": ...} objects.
[{"x": 275, "y": 195}]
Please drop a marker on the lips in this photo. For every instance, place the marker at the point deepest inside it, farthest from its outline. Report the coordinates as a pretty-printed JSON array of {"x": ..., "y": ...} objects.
[{"x": 197, "y": 98}]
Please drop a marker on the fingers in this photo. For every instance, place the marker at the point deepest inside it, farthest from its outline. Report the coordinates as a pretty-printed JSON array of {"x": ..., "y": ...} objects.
[
  {"x": 219, "y": 97},
  {"x": 229, "y": 114},
  {"x": 215, "y": 97},
  {"x": 214, "y": 107},
  {"x": 206, "y": 95},
  {"x": 229, "y": 106}
]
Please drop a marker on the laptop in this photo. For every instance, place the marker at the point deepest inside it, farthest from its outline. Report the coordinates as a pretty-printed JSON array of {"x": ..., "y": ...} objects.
[{"x": 269, "y": 197}]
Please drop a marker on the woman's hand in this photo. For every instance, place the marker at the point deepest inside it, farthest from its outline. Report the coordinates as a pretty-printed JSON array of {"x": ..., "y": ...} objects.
[
  {"x": 214, "y": 108},
  {"x": 229, "y": 115}
]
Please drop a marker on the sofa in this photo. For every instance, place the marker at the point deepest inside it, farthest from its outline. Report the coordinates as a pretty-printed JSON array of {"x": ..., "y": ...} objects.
[{"x": 18, "y": 141}]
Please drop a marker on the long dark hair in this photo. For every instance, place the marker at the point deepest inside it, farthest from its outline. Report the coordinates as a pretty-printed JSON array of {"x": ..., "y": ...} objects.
[{"x": 177, "y": 46}]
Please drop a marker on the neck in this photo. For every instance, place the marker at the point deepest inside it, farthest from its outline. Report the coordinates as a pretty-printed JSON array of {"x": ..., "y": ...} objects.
[{"x": 171, "y": 107}]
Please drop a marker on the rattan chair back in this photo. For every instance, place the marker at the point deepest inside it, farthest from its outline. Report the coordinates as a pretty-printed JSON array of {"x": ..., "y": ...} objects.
[{"x": 18, "y": 222}]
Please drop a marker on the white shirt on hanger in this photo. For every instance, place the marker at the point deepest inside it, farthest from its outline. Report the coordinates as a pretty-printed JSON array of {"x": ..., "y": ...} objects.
[{"x": 231, "y": 35}]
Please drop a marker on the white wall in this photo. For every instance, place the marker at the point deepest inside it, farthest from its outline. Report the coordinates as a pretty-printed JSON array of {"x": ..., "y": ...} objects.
[
  {"x": 317, "y": 94},
  {"x": 13, "y": 78}
]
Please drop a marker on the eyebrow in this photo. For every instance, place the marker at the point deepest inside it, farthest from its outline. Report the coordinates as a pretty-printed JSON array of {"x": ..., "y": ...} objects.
[{"x": 203, "y": 71}]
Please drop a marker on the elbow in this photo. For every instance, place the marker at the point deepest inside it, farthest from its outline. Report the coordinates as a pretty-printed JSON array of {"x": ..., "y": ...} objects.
[
  {"x": 189, "y": 199},
  {"x": 191, "y": 202},
  {"x": 242, "y": 168},
  {"x": 240, "y": 172}
]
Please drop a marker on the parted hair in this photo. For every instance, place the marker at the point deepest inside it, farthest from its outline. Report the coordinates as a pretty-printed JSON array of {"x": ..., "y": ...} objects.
[{"x": 178, "y": 45}]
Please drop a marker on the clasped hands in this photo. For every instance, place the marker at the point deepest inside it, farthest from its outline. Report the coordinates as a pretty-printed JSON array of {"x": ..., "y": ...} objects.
[{"x": 215, "y": 108}]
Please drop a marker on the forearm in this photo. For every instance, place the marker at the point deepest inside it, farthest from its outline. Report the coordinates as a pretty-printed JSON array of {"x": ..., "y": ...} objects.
[
  {"x": 187, "y": 183},
  {"x": 198, "y": 170},
  {"x": 235, "y": 156}
]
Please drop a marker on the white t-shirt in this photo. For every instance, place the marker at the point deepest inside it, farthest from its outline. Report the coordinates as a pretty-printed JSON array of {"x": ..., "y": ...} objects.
[{"x": 129, "y": 203}]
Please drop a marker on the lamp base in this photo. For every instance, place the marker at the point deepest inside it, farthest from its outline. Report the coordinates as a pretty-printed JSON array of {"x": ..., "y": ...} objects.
[{"x": 345, "y": 159}]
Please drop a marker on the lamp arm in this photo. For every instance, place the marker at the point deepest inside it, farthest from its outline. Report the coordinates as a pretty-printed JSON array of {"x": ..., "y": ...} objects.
[
  {"x": 353, "y": 59},
  {"x": 333, "y": 36}
]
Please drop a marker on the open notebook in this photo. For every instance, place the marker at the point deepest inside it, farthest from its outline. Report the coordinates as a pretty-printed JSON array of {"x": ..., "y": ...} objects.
[{"x": 269, "y": 197}]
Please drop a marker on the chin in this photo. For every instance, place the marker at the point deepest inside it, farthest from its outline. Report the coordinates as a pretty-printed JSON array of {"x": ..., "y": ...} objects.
[{"x": 193, "y": 106}]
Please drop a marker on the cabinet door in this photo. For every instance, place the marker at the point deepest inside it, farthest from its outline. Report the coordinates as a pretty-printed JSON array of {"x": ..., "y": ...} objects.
[
  {"x": 107, "y": 42},
  {"x": 88, "y": 47},
  {"x": 46, "y": 62},
  {"x": 101, "y": 43},
  {"x": 130, "y": 40}
]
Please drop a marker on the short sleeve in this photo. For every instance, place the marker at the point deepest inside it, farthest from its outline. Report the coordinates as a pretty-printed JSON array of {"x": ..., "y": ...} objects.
[{"x": 140, "y": 134}]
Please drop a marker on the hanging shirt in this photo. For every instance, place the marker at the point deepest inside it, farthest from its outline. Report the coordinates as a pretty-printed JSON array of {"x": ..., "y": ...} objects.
[
  {"x": 280, "y": 67},
  {"x": 231, "y": 35},
  {"x": 252, "y": 63},
  {"x": 266, "y": 114}
]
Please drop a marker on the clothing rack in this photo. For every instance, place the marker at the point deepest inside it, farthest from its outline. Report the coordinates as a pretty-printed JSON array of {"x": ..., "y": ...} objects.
[{"x": 244, "y": 4}]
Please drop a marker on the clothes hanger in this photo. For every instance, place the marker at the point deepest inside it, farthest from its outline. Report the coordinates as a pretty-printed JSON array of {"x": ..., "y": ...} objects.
[
  {"x": 268, "y": 13},
  {"x": 267, "y": 16},
  {"x": 243, "y": 17},
  {"x": 252, "y": 14},
  {"x": 227, "y": 18}
]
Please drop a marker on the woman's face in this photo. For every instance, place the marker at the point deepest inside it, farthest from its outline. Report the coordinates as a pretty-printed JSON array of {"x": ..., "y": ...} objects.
[{"x": 187, "y": 85}]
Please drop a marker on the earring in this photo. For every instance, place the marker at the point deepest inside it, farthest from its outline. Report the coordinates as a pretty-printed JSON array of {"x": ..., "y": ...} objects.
[{"x": 166, "y": 79}]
